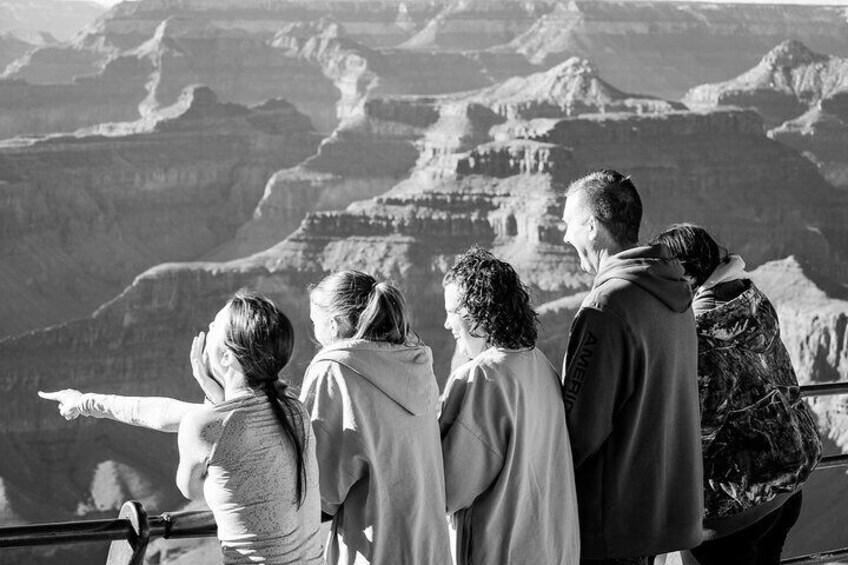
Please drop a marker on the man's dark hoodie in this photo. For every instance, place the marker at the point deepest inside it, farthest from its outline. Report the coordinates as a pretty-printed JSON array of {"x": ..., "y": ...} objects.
[{"x": 631, "y": 396}]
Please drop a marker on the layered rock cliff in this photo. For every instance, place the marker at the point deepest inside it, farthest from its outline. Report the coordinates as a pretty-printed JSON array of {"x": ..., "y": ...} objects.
[
  {"x": 821, "y": 135},
  {"x": 789, "y": 80},
  {"x": 667, "y": 48},
  {"x": 254, "y": 51},
  {"x": 379, "y": 144},
  {"x": 82, "y": 215},
  {"x": 60, "y": 18},
  {"x": 803, "y": 98},
  {"x": 11, "y": 48}
]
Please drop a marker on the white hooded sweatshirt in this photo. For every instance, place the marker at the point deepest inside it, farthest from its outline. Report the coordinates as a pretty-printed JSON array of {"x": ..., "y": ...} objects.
[{"x": 374, "y": 408}]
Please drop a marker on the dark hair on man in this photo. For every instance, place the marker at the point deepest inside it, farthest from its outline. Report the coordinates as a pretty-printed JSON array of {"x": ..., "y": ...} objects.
[
  {"x": 695, "y": 248},
  {"x": 367, "y": 309},
  {"x": 262, "y": 339},
  {"x": 494, "y": 299},
  {"x": 613, "y": 201}
]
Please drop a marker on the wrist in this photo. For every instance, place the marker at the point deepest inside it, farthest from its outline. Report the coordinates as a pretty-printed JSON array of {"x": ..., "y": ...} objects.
[{"x": 87, "y": 404}]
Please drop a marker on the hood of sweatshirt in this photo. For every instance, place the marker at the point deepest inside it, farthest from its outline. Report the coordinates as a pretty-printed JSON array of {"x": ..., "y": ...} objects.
[
  {"x": 730, "y": 270},
  {"x": 748, "y": 321},
  {"x": 652, "y": 268},
  {"x": 404, "y": 373}
]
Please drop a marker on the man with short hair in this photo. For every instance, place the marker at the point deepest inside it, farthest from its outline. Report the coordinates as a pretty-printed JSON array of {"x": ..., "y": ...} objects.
[{"x": 630, "y": 383}]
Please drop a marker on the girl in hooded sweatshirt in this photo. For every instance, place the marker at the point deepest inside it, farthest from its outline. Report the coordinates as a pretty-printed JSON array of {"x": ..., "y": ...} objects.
[
  {"x": 759, "y": 437},
  {"x": 373, "y": 401}
]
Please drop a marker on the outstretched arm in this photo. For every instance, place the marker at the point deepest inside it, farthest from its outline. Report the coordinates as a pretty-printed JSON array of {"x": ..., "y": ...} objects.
[{"x": 155, "y": 413}]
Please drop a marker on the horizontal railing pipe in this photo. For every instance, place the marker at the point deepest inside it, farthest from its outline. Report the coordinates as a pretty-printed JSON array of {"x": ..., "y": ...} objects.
[
  {"x": 172, "y": 525},
  {"x": 65, "y": 532},
  {"x": 825, "y": 556},
  {"x": 825, "y": 389},
  {"x": 168, "y": 525}
]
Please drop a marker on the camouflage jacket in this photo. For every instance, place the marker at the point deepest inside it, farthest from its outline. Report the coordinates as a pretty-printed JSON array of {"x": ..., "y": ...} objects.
[{"x": 759, "y": 438}]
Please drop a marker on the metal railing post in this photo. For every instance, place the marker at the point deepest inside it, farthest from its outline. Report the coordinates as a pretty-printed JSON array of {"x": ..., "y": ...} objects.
[{"x": 130, "y": 551}]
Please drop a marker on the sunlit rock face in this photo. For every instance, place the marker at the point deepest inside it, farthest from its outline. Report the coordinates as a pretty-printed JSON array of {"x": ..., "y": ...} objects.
[
  {"x": 59, "y": 18},
  {"x": 433, "y": 136},
  {"x": 802, "y": 97},
  {"x": 12, "y": 47},
  {"x": 83, "y": 214},
  {"x": 326, "y": 57},
  {"x": 789, "y": 80},
  {"x": 821, "y": 135},
  {"x": 667, "y": 48}
]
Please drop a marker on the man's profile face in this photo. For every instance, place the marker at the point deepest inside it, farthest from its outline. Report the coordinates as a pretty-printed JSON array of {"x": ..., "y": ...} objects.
[{"x": 578, "y": 230}]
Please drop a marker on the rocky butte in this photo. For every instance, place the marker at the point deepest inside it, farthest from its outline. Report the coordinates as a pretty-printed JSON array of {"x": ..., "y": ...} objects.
[
  {"x": 803, "y": 98},
  {"x": 146, "y": 52},
  {"x": 392, "y": 136},
  {"x": 59, "y": 18},
  {"x": 81, "y": 215}
]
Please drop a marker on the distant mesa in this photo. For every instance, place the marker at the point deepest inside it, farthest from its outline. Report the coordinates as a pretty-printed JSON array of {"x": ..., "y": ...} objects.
[
  {"x": 86, "y": 212},
  {"x": 649, "y": 46},
  {"x": 570, "y": 88},
  {"x": 821, "y": 135},
  {"x": 475, "y": 25},
  {"x": 59, "y": 18},
  {"x": 789, "y": 80}
]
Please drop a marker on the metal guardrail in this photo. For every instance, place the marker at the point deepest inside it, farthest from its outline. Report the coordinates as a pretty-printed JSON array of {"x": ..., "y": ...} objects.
[
  {"x": 133, "y": 529},
  {"x": 129, "y": 533},
  {"x": 837, "y": 555}
]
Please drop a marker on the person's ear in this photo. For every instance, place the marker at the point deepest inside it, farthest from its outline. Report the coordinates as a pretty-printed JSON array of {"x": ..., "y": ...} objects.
[
  {"x": 593, "y": 226},
  {"x": 334, "y": 328},
  {"x": 227, "y": 358}
]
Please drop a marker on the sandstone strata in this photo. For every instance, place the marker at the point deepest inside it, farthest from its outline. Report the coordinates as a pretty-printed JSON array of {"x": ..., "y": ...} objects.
[
  {"x": 12, "y": 47},
  {"x": 821, "y": 134},
  {"x": 82, "y": 215},
  {"x": 60, "y": 18},
  {"x": 667, "y": 48},
  {"x": 788, "y": 81},
  {"x": 803, "y": 98},
  {"x": 379, "y": 144}
]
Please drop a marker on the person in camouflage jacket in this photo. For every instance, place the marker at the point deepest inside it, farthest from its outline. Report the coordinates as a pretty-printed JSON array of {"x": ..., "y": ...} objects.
[{"x": 760, "y": 439}]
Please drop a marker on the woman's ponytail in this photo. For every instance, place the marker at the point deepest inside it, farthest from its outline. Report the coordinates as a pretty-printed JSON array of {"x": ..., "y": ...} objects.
[
  {"x": 289, "y": 413},
  {"x": 262, "y": 339},
  {"x": 372, "y": 310},
  {"x": 385, "y": 316}
]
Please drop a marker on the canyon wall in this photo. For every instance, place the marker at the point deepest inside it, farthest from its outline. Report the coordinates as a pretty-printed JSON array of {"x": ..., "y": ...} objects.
[
  {"x": 801, "y": 96},
  {"x": 82, "y": 215}
]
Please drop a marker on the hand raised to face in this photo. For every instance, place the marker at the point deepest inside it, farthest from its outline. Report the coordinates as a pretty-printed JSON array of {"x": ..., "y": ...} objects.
[{"x": 211, "y": 387}]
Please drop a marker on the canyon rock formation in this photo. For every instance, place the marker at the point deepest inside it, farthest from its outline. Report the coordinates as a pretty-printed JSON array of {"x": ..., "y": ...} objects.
[
  {"x": 60, "y": 18},
  {"x": 803, "y": 98},
  {"x": 83, "y": 214}
]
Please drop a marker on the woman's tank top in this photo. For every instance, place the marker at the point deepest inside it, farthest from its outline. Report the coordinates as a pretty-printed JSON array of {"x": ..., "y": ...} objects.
[{"x": 251, "y": 488}]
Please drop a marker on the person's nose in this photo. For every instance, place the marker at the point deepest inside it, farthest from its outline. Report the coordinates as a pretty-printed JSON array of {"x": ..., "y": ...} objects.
[{"x": 447, "y": 324}]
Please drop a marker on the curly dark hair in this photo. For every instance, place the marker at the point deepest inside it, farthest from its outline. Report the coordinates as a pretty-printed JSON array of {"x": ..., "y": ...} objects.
[{"x": 494, "y": 299}]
